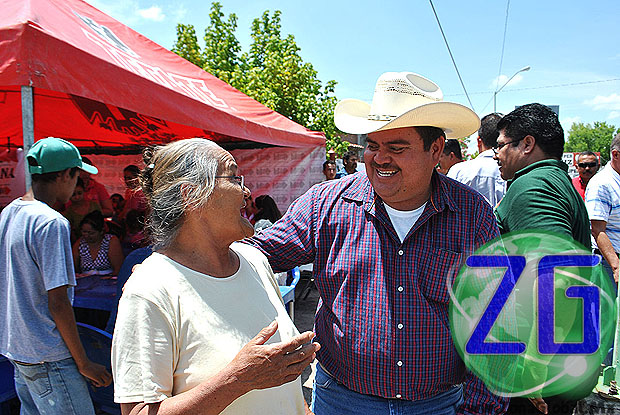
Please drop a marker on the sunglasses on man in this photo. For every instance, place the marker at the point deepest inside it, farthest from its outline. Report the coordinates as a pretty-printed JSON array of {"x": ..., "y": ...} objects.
[{"x": 586, "y": 165}]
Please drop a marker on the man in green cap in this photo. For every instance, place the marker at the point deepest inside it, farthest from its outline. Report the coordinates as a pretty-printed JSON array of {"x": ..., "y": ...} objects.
[{"x": 38, "y": 333}]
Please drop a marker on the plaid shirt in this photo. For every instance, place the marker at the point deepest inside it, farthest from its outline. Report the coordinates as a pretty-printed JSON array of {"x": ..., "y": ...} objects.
[{"x": 382, "y": 320}]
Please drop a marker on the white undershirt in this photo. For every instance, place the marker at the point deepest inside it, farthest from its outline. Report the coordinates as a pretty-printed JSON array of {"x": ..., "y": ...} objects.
[{"x": 403, "y": 220}]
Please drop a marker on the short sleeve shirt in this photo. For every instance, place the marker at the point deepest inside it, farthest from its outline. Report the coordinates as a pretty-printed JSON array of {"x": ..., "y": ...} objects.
[
  {"x": 96, "y": 191},
  {"x": 177, "y": 328},
  {"x": 482, "y": 174},
  {"x": 603, "y": 202},
  {"x": 35, "y": 257},
  {"x": 541, "y": 196}
]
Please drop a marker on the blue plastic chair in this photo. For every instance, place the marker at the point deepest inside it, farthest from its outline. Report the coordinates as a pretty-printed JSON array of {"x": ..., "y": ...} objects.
[
  {"x": 288, "y": 292},
  {"x": 7, "y": 385},
  {"x": 98, "y": 346}
]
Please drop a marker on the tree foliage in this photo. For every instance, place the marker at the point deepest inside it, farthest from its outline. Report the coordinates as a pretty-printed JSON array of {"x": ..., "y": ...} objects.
[
  {"x": 187, "y": 46},
  {"x": 272, "y": 71},
  {"x": 596, "y": 137},
  {"x": 222, "y": 49}
]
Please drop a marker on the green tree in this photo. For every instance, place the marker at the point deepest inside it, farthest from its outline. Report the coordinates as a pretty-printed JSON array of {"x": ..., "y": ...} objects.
[
  {"x": 597, "y": 138},
  {"x": 272, "y": 71},
  {"x": 222, "y": 49},
  {"x": 187, "y": 45},
  {"x": 337, "y": 144}
]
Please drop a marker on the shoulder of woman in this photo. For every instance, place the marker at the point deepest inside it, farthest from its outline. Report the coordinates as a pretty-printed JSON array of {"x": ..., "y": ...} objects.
[
  {"x": 152, "y": 278},
  {"x": 250, "y": 253},
  {"x": 257, "y": 260}
]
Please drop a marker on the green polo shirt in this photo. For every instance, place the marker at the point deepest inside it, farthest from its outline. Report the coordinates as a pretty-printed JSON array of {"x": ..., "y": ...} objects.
[{"x": 541, "y": 196}]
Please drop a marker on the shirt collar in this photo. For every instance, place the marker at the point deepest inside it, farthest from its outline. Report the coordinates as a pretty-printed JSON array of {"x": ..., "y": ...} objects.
[
  {"x": 613, "y": 171},
  {"x": 361, "y": 191},
  {"x": 487, "y": 153},
  {"x": 541, "y": 163}
]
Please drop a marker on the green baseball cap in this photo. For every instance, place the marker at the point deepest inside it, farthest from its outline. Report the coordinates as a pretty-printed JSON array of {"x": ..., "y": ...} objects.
[{"x": 55, "y": 154}]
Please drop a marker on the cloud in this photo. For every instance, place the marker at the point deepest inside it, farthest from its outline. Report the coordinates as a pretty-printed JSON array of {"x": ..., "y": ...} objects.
[
  {"x": 122, "y": 10},
  {"x": 567, "y": 123},
  {"x": 501, "y": 80},
  {"x": 571, "y": 120},
  {"x": 152, "y": 13},
  {"x": 602, "y": 102},
  {"x": 179, "y": 12},
  {"x": 609, "y": 103},
  {"x": 129, "y": 12}
]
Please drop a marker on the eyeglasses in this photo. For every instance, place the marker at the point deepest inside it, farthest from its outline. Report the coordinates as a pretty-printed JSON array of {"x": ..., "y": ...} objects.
[
  {"x": 498, "y": 147},
  {"x": 586, "y": 165},
  {"x": 238, "y": 179}
]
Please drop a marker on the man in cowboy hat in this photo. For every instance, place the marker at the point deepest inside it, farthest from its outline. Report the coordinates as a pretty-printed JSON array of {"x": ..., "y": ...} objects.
[{"x": 383, "y": 243}]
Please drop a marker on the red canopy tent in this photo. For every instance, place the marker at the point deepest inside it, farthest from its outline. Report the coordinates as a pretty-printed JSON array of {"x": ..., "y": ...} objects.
[{"x": 68, "y": 70}]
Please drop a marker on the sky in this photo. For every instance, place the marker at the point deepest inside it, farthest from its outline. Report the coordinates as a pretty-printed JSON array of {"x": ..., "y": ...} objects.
[{"x": 571, "y": 46}]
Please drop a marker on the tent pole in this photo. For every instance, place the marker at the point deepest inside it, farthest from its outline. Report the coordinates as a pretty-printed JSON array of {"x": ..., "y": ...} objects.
[{"x": 27, "y": 126}]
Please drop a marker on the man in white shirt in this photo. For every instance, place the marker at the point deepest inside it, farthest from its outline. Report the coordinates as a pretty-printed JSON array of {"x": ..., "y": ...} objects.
[
  {"x": 451, "y": 156},
  {"x": 603, "y": 205},
  {"x": 482, "y": 173}
]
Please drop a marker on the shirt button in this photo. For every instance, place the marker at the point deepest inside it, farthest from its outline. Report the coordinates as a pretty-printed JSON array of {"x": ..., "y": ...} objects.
[
  {"x": 400, "y": 326},
  {"x": 398, "y": 396},
  {"x": 399, "y": 363},
  {"x": 400, "y": 252},
  {"x": 400, "y": 288}
]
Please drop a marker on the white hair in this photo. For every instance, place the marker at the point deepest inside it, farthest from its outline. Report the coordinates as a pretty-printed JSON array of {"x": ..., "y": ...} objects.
[{"x": 179, "y": 177}]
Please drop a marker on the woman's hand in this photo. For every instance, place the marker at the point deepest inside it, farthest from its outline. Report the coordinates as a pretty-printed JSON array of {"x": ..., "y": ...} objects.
[{"x": 261, "y": 366}]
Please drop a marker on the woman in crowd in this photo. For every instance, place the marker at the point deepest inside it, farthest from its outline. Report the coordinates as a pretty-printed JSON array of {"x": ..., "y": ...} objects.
[
  {"x": 267, "y": 214},
  {"x": 134, "y": 232},
  {"x": 118, "y": 204},
  {"x": 201, "y": 328},
  {"x": 77, "y": 208},
  {"x": 93, "y": 190},
  {"x": 267, "y": 209},
  {"x": 95, "y": 252},
  {"x": 134, "y": 197}
]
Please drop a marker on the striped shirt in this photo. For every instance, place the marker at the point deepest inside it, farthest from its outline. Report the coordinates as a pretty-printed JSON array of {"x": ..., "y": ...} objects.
[
  {"x": 382, "y": 320},
  {"x": 603, "y": 202}
]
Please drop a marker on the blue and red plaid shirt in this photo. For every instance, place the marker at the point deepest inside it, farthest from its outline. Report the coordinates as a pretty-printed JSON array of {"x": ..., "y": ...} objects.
[{"x": 382, "y": 320}]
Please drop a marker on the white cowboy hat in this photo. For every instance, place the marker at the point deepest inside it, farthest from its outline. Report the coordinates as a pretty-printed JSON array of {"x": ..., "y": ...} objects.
[{"x": 405, "y": 99}]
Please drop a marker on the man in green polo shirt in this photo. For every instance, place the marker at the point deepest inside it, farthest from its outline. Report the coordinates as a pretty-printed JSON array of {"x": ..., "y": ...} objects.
[{"x": 539, "y": 195}]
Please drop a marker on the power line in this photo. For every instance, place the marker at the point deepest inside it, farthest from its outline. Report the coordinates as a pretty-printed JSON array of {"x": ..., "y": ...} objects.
[
  {"x": 501, "y": 59},
  {"x": 543, "y": 87},
  {"x": 368, "y": 99},
  {"x": 451, "y": 57}
]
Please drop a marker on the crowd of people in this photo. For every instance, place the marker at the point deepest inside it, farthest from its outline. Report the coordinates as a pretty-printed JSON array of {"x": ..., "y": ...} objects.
[{"x": 201, "y": 327}]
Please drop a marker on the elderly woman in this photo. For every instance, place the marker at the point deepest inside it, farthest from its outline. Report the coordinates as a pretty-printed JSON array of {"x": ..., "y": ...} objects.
[{"x": 201, "y": 328}]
